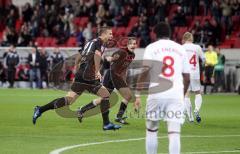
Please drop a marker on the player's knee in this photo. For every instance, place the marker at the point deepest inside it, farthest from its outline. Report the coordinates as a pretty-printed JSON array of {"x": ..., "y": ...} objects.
[
  {"x": 128, "y": 97},
  {"x": 69, "y": 100},
  {"x": 152, "y": 126},
  {"x": 198, "y": 92},
  {"x": 71, "y": 97},
  {"x": 103, "y": 93},
  {"x": 174, "y": 127}
]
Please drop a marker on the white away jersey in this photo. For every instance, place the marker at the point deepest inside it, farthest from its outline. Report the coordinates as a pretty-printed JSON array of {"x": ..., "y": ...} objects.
[
  {"x": 175, "y": 62},
  {"x": 194, "y": 52}
]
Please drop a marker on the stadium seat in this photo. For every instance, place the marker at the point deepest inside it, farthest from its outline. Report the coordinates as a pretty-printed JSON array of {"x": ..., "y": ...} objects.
[
  {"x": 72, "y": 42},
  {"x": 114, "y": 31},
  {"x": 121, "y": 31},
  {"x": 47, "y": 42},
  {"x": 224, "y": 46},
  {"x": 40, "y": 41},
  {"x": 18, "y": 25},
  {"x": 81, "y": 21},
  {"x": 84, "y": 21},
  {"x": 132, "y": 21},
  {"x": 236, "y": 22},
  {"x": 189, "y": 20},
  {"x": 237, "y": 43}
]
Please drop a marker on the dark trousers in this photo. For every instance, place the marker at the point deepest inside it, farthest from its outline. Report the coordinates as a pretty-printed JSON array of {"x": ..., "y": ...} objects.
[
  {"x": 208, "y": 77},
  {"x": 219, "y": 80},
  {"x": 44, "y": 76},
  {"x": 11, "y": 76}
]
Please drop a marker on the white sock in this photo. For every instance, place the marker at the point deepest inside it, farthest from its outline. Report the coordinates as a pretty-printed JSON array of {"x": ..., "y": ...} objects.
[
  {"x": 174, "y": 143},
  {"x": 188, "y": 108},
  {"x": 198, "y": 102},
  {"x": 174, "y": 137},
  {"x": 151, "y": 142}
]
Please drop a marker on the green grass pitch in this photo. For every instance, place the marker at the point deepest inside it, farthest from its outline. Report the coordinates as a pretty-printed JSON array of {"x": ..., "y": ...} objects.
[{"x": 219, "y": 131}]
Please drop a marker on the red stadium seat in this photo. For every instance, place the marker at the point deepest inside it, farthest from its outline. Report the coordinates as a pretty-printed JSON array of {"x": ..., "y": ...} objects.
[
  {"x": 18, "y": 25},
  {"x": 40, "y": 41},
  {"x": 121, "y": 31},
  {"x": 236, "y": 22},
  {"x": 72, "y": 42},
  {"x": 81, "y": 21},
  {"x": 84, "y": 21},
  {"x": 132, "y": 21},
  {"x": 114, "y": 31},
  {"x": 237, "y": 43},
  {"x": 224, "y": 46},
  {"x": 47, "y": 42}
]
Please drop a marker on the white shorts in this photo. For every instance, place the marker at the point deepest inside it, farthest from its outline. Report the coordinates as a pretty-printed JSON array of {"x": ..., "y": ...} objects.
[
  {"x": 165, "y": 109},
  {"x": 195, "y": 85}
]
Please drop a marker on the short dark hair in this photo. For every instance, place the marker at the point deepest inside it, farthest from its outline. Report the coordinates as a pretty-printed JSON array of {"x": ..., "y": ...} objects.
[
  {"x": 130, "y": 39},
  {"x": 103, "y": 30},
  {"x": 162, "y": 30}
]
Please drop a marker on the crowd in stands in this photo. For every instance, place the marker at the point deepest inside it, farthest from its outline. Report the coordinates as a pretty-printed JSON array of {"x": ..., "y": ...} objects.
[{"x": 209, "y": 20}]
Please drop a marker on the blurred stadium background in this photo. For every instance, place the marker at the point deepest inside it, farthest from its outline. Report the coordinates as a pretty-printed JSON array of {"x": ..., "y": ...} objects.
[
  {"x": 57, "y": 29},
  {"x": 68, "y": 24}
]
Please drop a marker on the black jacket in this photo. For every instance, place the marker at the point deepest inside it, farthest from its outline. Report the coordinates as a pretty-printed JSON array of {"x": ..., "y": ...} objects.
[
  {"x": 12, "y": 59},
  {"x": 37, "y": 61}
]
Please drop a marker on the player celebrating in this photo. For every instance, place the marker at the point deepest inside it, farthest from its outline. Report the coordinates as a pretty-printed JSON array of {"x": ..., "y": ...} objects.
[
  {"x": 194, "y": 52},
  {"x": 86, "y": 78},
  {"x": 169, "y": 104},
  {"x": 115, "y": 77}
]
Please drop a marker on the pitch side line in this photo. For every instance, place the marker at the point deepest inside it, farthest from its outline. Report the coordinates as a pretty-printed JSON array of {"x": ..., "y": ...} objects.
[
  {"x": 58, "y": 151},
  {"x": 208, "y": 152}
]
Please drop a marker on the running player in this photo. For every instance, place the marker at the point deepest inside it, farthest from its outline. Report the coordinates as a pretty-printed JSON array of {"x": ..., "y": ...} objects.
[
  {"x": 194, "y": 52},
  {"x": 87, "y": 78},
  {"x": 169, "y": 104},
  {"x": 115, "y": 77}
]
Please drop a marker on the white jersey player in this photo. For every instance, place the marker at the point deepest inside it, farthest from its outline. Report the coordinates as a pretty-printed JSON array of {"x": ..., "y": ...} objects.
[
  {"x": 194, "y": 53},
  {"x": 166, "y": 105}
]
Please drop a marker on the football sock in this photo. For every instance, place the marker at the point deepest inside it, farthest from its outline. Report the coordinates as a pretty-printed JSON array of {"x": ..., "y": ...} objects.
[
  {"x": 57, "y": 103},
  {"x": 174, "y": 137},
  {"x": 87, "y": 107},
  {"x": 104, "y": 106},
  {"x": 198, "y": 102},
  {"x": 174, "y": 143},
  {"x": 122, "y": 109},
  {"x": 188, "y": 107},
  {"x": 151, "y": 142}
]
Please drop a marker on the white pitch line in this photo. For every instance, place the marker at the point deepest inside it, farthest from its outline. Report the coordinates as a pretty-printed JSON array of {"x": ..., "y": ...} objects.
[
  {"x": 58, "y": 151},
  {"x": 208, "y": 152}
]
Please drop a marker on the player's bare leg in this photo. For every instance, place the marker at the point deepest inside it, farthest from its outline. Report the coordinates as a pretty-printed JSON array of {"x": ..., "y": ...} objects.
[
  {"x": 188, "y": 107},
  {"x": 127, "y": 95},
  {"x": 55, "y": 104},
  {"x": 198, "y": 104}
]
